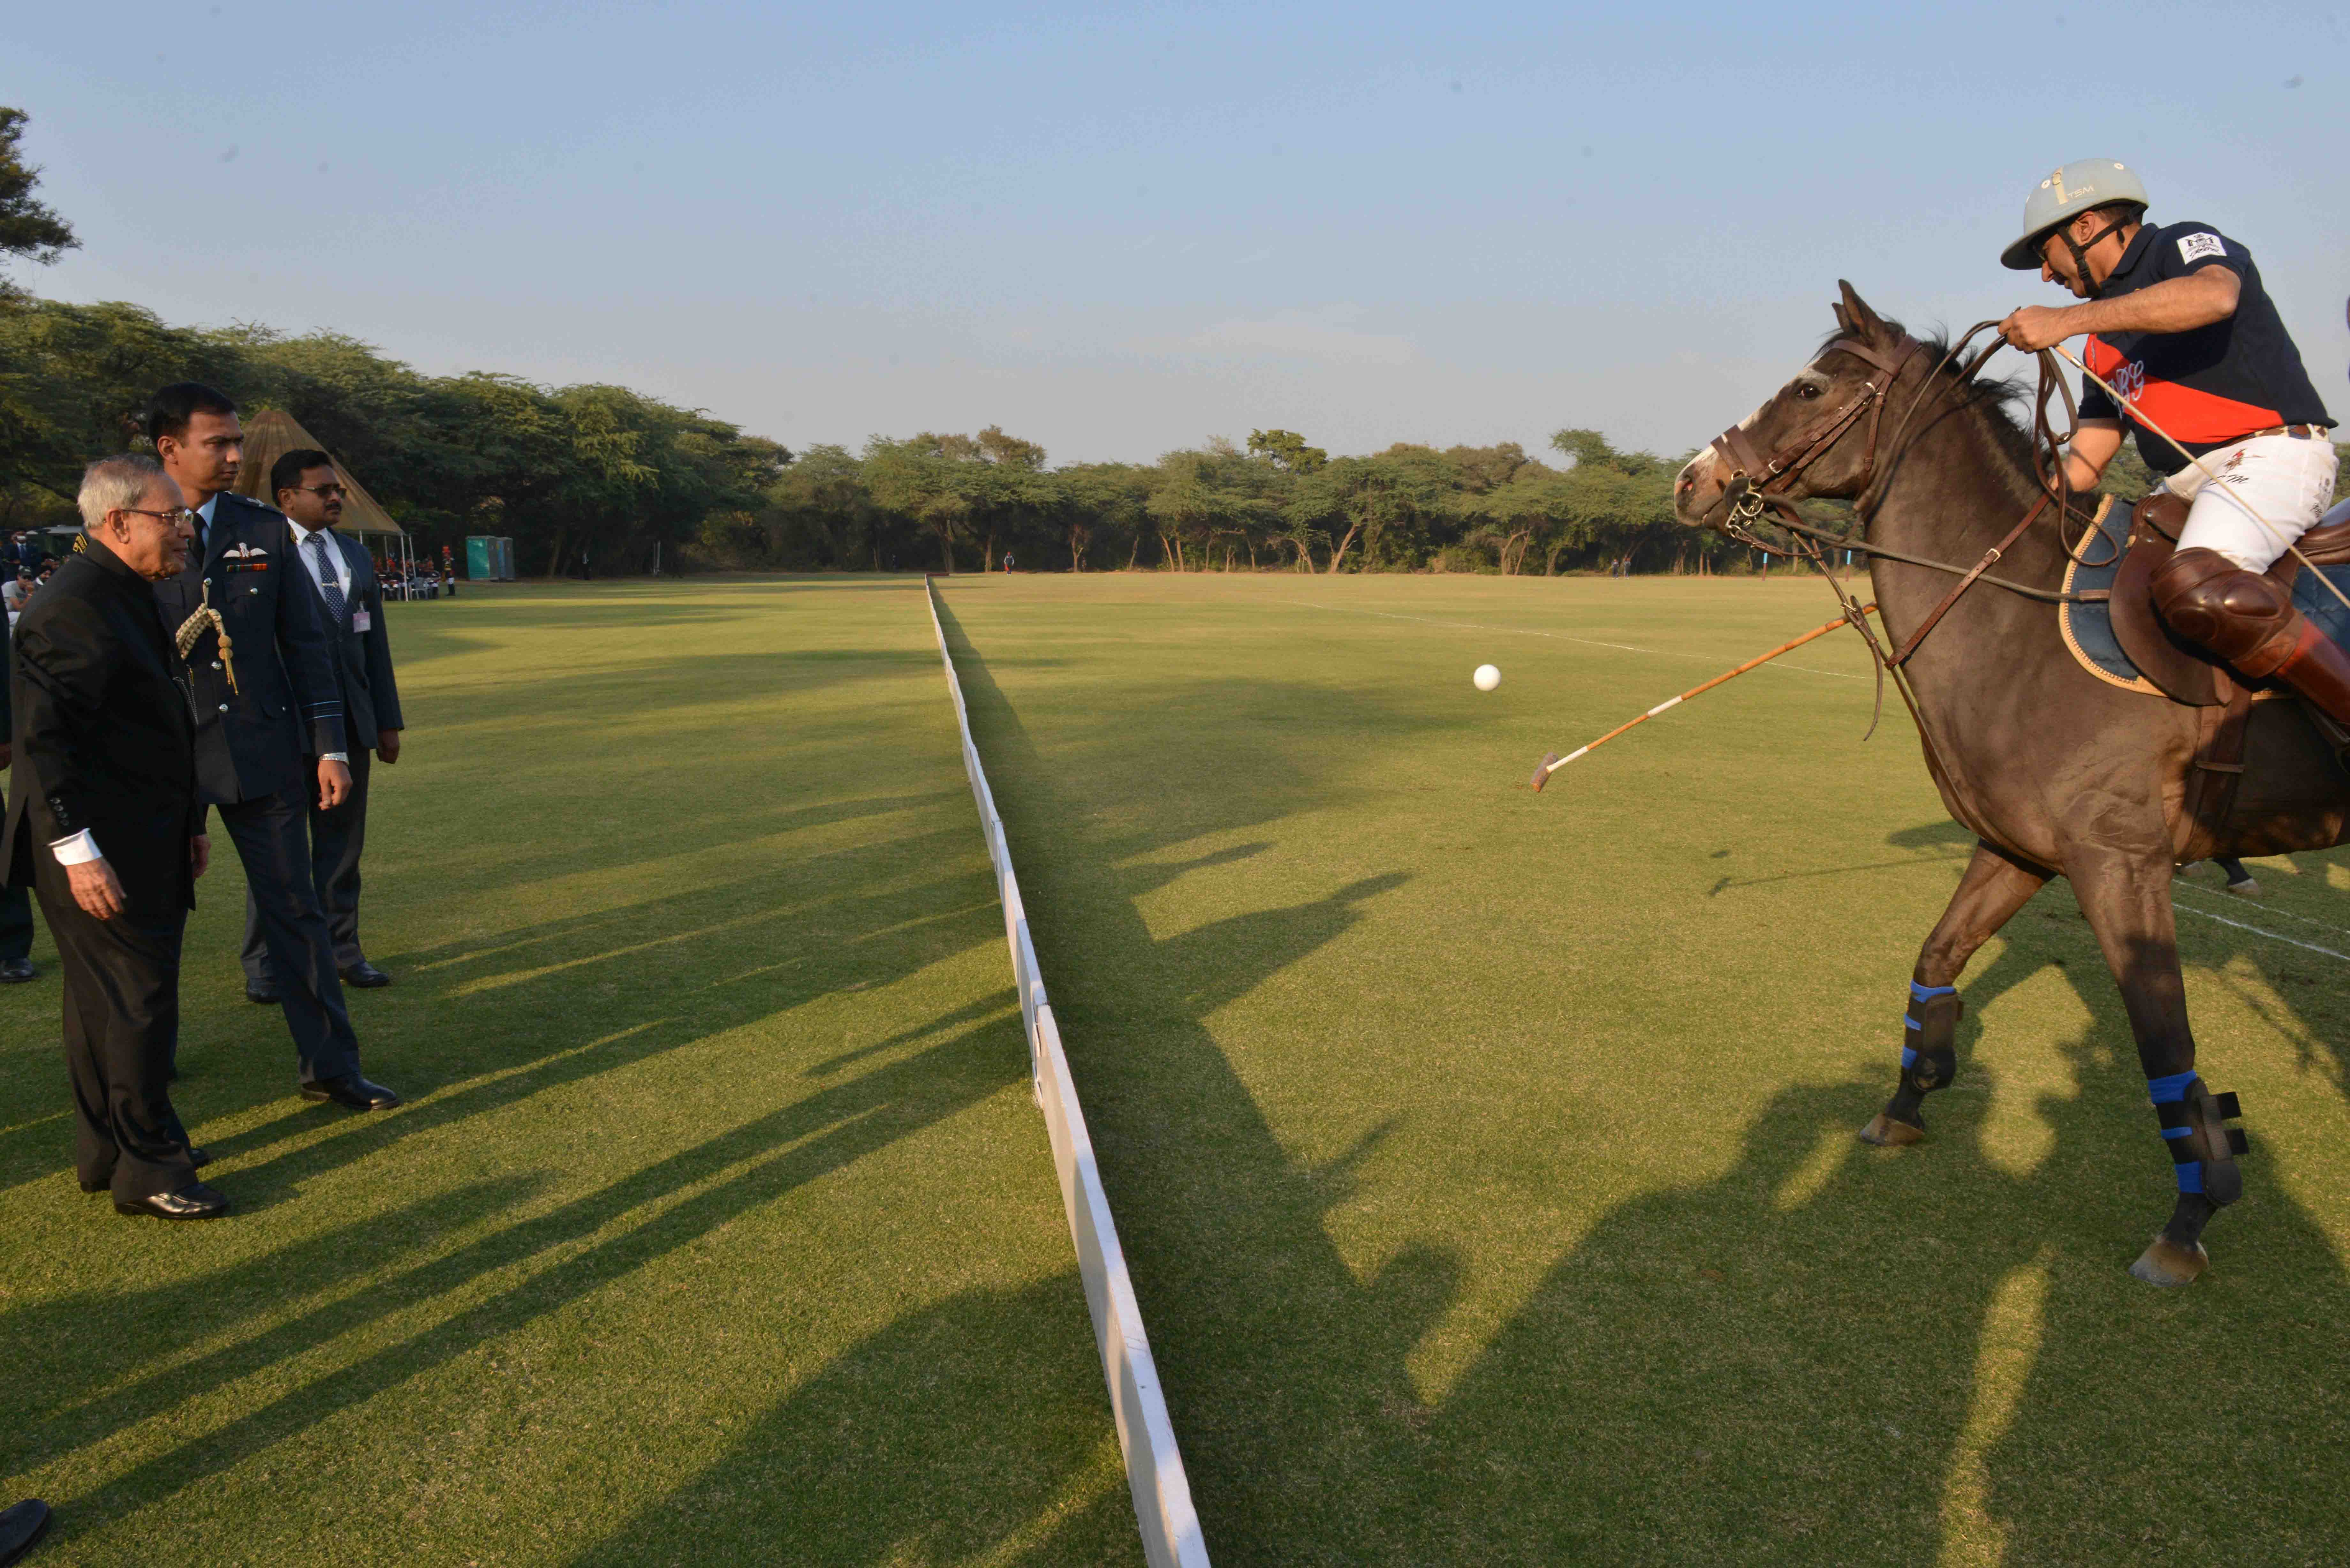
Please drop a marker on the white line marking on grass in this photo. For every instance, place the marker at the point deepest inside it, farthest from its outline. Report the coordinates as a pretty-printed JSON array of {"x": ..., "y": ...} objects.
[
  {"x": 2305, "y": 920},
  {"x": 2272, "y": 936},
  {"x": 1554, "y": 637}
]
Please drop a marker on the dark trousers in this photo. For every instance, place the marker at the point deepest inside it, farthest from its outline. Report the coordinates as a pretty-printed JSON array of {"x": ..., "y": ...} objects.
[
  {"x": 273, "y": 840},
  {"x": 15, "y": 923},
  {"x": 121, "y": 1022},
  {"x": 337, "y": 839}
]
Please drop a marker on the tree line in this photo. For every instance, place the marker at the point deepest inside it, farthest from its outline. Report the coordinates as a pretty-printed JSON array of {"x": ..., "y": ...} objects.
[{"x": 614, "y": 476}]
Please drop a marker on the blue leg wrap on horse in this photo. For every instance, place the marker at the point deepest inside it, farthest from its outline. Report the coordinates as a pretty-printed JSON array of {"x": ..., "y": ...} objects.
[
  {"x": 1929, "y": 1059},
  {"x": 2203, "y": 1147}
]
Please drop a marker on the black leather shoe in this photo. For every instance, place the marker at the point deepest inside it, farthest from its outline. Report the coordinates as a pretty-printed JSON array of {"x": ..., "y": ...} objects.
[
  {"x": 193, "y": 1201},
  {"x": 261, "y": 998},
  {"x": 351, "y": 1091},
  {"x": 365, "y": 976},
  {"x": 17, "y": 971},
  {"x": 20, "y": 1526}
]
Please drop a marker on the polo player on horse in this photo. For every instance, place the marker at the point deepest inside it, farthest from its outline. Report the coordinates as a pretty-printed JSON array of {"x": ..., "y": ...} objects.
[{"x": 2179, "y": 324}]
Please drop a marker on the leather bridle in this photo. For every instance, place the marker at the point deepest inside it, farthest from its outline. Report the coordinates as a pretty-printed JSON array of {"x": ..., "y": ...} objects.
[
  {"x": 1758, "y": 484},
  {"x": 1767, "y": 478}
]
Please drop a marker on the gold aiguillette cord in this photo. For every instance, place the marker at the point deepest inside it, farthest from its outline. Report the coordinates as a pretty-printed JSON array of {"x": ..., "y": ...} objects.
[{"x": 193, "y": 628}]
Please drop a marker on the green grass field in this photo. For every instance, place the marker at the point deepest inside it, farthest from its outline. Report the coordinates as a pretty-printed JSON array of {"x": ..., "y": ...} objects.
[
  {"x": 1486, "y": 1159},
  {"x": 1483, "y": 1159},
  {"x": 719, "y": 1228}
]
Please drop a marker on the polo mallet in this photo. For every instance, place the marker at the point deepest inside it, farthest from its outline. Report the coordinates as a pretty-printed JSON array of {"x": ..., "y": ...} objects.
[
  {"x": 2208, "y": 477},
  {"x": 1551, "y": 761}
]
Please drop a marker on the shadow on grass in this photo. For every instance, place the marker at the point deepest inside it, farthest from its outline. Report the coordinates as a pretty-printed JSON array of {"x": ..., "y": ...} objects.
[
  {"x": 736, "y": 1171},
  {"x": 992, "y": 1465},
  {"x": 1827, "y": 1353},
  {"x": 521, "y": 1012}
]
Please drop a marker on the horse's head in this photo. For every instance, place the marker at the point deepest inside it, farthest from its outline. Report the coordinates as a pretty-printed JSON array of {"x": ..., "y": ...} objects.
[{"x": 1817, "y": 434}]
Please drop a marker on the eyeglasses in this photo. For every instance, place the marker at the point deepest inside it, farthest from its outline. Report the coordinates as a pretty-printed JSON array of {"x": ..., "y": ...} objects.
[
  {"x": 175, "y": 514},
  {"x": 323, "y": 491}
]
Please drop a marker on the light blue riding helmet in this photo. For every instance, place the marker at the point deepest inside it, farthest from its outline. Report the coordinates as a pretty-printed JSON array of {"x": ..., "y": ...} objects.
[{"x": 2066, "y": 195}]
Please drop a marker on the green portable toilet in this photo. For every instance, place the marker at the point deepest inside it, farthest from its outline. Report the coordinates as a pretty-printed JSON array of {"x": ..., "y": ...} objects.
[{"x": 489, "y": 559}]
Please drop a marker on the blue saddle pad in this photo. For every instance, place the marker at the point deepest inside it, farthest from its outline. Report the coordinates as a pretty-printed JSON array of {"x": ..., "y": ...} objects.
[{"x": 2089, "y": 628}]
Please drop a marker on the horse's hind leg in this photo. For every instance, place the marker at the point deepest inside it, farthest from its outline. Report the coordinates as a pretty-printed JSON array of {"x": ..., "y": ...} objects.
[
  {"x": 2126, "y": 898},
  {"x": 1992, "y": 889}
]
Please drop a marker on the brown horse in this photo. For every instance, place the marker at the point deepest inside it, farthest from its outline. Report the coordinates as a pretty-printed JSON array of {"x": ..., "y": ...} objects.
[{"x": 2056, "y": 773}]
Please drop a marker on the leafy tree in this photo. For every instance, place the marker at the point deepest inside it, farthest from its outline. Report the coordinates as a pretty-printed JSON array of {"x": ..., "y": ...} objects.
[
  {"x": 1102, "y": 501},
  {"x": 1286, "y": 450},
  {"x": 28, "y": 228}
]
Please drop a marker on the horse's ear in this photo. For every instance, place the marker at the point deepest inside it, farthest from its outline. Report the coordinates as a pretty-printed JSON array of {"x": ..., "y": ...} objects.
[
  {"x": 1856, "y": 316},
  {"x": 1844, "y": 316}
]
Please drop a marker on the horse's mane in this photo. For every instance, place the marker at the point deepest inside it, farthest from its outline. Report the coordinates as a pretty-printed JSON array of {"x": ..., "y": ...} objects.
[{"x": 1997, "y": 400}]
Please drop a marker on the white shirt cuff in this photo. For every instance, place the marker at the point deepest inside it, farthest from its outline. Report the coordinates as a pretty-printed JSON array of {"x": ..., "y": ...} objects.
[
  {"x": 79, "y": 850},
  {"x": 342, "y": 757}
]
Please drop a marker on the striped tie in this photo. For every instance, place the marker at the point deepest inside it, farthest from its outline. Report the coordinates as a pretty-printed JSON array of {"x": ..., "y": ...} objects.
[{"x": 336, "y": 611}]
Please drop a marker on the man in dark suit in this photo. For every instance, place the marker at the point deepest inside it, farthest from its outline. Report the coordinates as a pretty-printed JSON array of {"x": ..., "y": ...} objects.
[
  {"x": 310, "y": 493},
  {"x": 265, "y": 699},
  {"x": 15, "y": 900},
  {"x": 107, "y": 823}
]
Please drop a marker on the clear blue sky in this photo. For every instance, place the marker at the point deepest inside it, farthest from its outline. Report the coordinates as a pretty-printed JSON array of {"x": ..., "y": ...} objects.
[{"x": 1118, "y": 231}]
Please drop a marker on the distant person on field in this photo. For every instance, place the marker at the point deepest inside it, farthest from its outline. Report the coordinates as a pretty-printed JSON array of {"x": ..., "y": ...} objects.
[
  {"x": 350, "y": 598},
  {"x": 106, "y": 821},
  {"x": 17, "y": 590},
  {"x": 264, "y": 742},
  {"x": 1007, "y": 560}
]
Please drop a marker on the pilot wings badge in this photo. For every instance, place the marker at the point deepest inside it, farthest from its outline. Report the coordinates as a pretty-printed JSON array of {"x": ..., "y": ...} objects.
[
  {"x": 193, "y": 628},
  {"x": 241, "y": 552}
]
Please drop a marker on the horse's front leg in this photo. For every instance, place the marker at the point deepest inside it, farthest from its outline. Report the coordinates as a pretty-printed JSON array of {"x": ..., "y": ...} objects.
[
  {"x": 1994, "y": 886},
  {"x": 2127, "y": 897}
]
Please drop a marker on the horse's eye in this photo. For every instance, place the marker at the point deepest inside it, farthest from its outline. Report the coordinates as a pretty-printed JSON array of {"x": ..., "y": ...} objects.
[{"x": 1807, "y": 392}]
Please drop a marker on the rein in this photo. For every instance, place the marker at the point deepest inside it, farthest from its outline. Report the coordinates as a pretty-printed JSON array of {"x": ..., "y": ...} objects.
[{"x": 1757, "y": 484}]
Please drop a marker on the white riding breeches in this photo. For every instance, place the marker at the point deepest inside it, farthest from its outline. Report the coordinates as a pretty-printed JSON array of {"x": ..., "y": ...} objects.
[{"x": 2268, "y": 491}]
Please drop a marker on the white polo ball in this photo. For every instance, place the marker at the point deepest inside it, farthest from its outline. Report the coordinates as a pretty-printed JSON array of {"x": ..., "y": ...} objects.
[{"x": 1487, "y": 677}]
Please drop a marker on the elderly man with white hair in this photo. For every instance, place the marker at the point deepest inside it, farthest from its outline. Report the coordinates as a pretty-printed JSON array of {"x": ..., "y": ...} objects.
[{"x": 105, "y": 824}]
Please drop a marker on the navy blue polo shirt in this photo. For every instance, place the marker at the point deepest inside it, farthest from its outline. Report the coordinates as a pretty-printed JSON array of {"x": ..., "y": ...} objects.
[{"x": 2210, "y": 387}]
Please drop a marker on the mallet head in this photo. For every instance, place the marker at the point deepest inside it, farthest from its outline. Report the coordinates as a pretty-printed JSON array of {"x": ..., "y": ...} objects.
[{"x": 1543, "y": 770}]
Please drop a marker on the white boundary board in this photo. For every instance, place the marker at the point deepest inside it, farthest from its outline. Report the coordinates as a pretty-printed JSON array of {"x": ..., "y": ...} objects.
[{"x": 1154, "y": 1468}]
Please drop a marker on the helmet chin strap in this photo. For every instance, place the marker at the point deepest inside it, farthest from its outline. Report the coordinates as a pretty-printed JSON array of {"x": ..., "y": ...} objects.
[{"x": 2089, "y": 279}]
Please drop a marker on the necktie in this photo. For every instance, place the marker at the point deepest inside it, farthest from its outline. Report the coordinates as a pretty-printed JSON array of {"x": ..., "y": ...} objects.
[{"x": 336, "y": 611}]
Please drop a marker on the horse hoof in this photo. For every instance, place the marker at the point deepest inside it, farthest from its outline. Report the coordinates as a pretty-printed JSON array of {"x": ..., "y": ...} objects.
[
  {"x": 2247, "y": 888},
  {"x": 1886, "y": 1132},
  {"x": 2167, "y": 1264}
]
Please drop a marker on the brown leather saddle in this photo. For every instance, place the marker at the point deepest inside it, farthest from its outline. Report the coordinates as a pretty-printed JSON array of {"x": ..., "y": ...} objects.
[{"x": 2184, "y": 671}]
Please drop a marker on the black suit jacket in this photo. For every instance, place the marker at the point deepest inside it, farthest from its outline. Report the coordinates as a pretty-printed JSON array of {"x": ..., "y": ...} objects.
[
  {"x": 363, "y": 658},
  {"x": 103, "y": 737},
  {"x": 7, "y": 728},
  {"x": 250, "y": 743}
]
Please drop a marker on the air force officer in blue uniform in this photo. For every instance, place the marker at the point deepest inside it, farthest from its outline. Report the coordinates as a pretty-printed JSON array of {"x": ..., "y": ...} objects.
[{"x": 266, "y": 698}]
